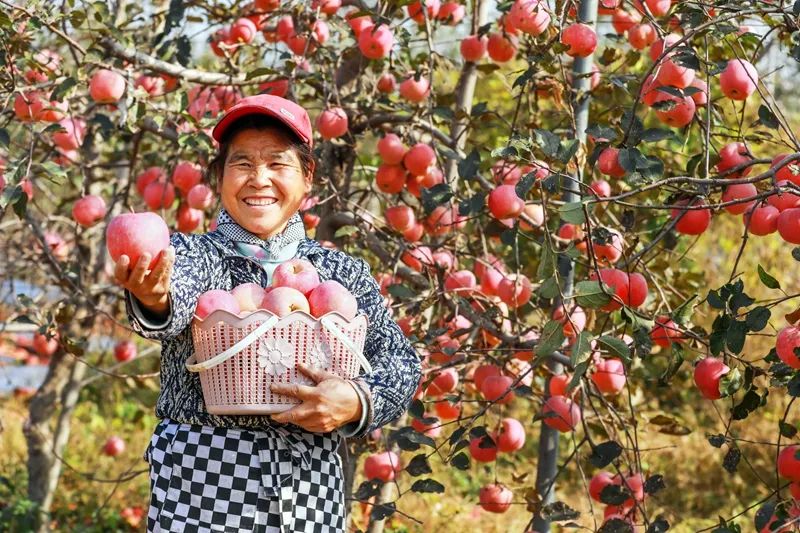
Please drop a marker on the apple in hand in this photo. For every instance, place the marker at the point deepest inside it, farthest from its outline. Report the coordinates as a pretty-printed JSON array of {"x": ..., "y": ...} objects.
[
  {"x": 135, "y": 234},
  {"x": 330, "y": 296},
  {"x": 249, "y": 296},
  {"x": 284, "y": 300},
  {"x": 216, "y": 299},
  {"x": 298, "y": 274}
]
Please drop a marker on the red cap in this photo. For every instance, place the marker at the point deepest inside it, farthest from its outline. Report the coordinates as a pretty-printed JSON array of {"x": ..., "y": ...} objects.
[{"x": 286, "y": 111}]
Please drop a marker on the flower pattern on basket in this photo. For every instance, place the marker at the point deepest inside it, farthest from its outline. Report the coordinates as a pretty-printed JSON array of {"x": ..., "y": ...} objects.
[
  {"x": 275, "y": 356},
  {"x": 320, "y": 355}
]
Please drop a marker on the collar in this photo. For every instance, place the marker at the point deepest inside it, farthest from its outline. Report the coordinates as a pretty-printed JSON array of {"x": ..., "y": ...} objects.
[{"x": 293, "y": 232}]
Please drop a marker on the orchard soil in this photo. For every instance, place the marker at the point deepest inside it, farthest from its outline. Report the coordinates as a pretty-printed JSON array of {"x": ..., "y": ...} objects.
[{"x": 697, "y": 487}]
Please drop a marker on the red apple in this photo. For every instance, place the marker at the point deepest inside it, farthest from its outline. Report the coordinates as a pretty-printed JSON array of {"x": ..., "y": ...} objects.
[
  {"x": 106, "y": 86},
  {"x": 561, "y": 413},
  {"x": 707, "y": 375},
  {"x": 249, "y": 296},
  {"x": 331, "y": 296},
  {"x": 185, "y": 176},
  {"x": 609, "y": 376},
  {"x": 738, "y": 80},
  {"x": 415, "y": 90},
  {"x": 483, "y": 449},
  {"x": 136, "y": 234},
  {"x": 125, "y": 351},
  {"x": 114, "y": 446},
  {"x": 200, "y": 197},
  {"x": 284, "y": 300},
  {"x": 376, "y": 42},
  {"x": 392, "y": 149},
  {"x": 789, "y": 464},
  {"x": 332, "y": 123},
  {"x": 216, "y": 299},
  {"x": 382, "y": 466},
  {"x": 495, "y": 498},
  {"x": 89, "y": 210},
  {"x": 580, "y": 38},
  {"x": 787, "y": 342},
  {"x": 298, "y": 274},
  {"x": 511, "y": 437}
]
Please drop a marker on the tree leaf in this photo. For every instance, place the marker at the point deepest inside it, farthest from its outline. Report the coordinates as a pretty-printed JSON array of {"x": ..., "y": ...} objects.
[
  {"x": 589, "y": 294},
  {"x": 616, "y": 346},
  {"x": 767, "y": 117},
  {"x": 427, "y": 485},
  {"x": 767, "y": 280},
  {"x": 581, "y": 348},
  {"x": 604, "y": 453},
  {"x": 383, "y": 510},
  {"x": 552, "y": 337},
  {"x": 758, "y": 318},
  {"x": 572, "y": 213},
  {"x": 468, "y": 167}
]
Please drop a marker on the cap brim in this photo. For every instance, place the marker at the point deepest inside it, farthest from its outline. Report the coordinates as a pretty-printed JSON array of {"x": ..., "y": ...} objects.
[{"x": 222, "y": 126}]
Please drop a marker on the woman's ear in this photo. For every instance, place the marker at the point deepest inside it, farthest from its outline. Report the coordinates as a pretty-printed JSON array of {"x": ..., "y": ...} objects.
[{"x": 309, "y": 178}]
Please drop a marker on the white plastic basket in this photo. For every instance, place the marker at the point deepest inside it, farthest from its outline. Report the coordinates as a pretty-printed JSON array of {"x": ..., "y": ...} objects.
[{"x": 238, "y": 358}]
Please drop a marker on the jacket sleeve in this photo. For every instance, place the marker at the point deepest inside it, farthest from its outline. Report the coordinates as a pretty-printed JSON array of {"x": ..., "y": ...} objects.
[
  {"x": 190, "y": 278},
  {"x": 395, "y": 364}
]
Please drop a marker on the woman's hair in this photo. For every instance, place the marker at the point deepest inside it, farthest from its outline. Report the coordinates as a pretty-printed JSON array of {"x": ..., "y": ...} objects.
[{"x": 216, "y": 167}]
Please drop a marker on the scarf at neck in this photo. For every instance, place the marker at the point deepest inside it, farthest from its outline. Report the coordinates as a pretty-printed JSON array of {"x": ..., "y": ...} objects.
[{"x": 253, "y": 246}]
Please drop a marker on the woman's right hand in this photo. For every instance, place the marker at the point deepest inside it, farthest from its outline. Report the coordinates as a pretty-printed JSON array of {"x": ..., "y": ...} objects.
[{"x": 151, "y": 288}]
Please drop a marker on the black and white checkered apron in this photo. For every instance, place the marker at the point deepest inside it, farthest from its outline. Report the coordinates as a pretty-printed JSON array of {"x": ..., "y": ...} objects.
[{"x": 205, "y": 478}]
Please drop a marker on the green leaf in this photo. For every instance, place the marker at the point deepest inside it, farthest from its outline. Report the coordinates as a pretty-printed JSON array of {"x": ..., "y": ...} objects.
[
  {"x": 549, "y": 288},
  {"x": 460, "y": 461},
  {"x": 5, "y": 140},
  {"x": 572, "y": 213},
  {"x": 549, "y": 142},
  {"x": 581, "y": 348},
  {"x": 551, "y": 339},
  {"x": 767, "y": 117},
  {"x": 346, "y": 231},
  {"x": 468, "y": 167},
  {"x": 757, "y": 318},
  {"x": 257, "y": 73},
  {"x": 567, "y": 150},
  {"x": 604, "y": 453},
  {"x": 737, "y": 333},
  {"x": 62, "y": 89},
  {"x": 472, "y": 205},
  {"x": 767, "y": 280},
  {"x": 382, "y": 511},
  {"x": 616, "y": 346},
  {"x": 547, "y": 263},
  {"x": 524, "y": 185},
  {"x": 796, "y": 253},
  {"x": 435, "y": 196},
  {"x": 656, "y": 134},
  {"x": 427, "y": 485},
  {"x": 419, "y": 465},
  {"x": 400, "y": 292},
  {"x": 589, "y": 294}
]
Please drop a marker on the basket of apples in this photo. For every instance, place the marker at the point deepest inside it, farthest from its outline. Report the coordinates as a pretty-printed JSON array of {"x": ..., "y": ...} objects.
[{"x": 249, "y": 338}]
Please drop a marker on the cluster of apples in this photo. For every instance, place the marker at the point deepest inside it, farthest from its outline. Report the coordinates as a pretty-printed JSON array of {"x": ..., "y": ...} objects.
[
  {"x": 159, "y": 192},
  {"x": 295, "y": 287},
  {"x": 406, "y": 168},
  {"x": 633, "y": 485}
]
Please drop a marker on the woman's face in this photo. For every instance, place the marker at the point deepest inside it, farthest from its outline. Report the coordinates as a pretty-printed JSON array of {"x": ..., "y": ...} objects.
[{"x": 262, "y": 183}]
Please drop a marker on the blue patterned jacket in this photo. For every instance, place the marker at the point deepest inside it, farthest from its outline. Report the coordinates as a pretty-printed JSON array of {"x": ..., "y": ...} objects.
[{"x": 210, "y": 261}]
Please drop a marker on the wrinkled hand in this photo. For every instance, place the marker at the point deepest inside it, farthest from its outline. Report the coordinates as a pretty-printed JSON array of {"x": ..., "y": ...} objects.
[
  {"x": 151, "y": 288},
  {"x": 326, "y": 406}
]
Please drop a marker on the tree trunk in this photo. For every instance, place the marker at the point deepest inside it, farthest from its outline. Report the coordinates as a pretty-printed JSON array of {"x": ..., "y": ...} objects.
[{"x": 57, "y": 397}]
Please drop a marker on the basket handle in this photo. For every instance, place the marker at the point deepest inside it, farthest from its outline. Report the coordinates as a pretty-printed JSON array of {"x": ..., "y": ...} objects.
[
  {"x": 336, "y": 332},
  {"x": 217, "y": 360}
]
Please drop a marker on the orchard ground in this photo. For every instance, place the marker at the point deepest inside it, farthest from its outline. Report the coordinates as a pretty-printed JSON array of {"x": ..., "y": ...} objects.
[{"x": 694, "y": 466}]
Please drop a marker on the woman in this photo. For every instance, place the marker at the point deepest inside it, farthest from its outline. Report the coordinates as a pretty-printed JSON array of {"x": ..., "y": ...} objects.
[{"x": 258, "y": 473}]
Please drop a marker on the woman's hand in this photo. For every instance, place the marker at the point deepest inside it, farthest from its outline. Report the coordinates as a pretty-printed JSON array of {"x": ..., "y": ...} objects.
[
  {"x": 328, "y": 405},
  {"x": 150, "y": 288}
]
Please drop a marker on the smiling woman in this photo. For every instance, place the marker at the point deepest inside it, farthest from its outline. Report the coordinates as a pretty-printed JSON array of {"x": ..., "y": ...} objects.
[
  {"x": 263, "y": 171},
  {"x": 256, "y": 473}
]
